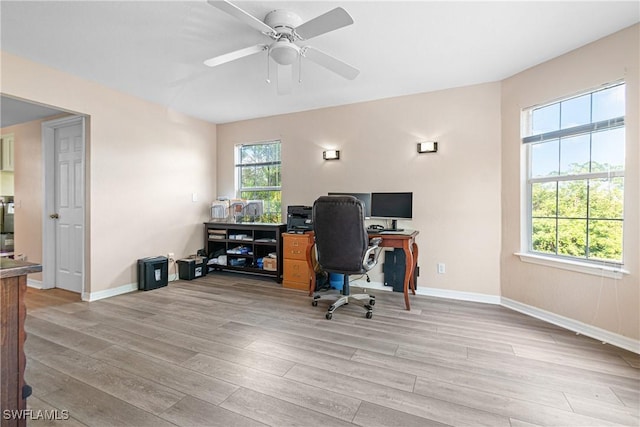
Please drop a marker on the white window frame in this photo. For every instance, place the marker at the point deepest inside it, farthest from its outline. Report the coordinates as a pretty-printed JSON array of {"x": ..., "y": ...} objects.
[
  {"x": 238, "y": 166},
  {"x": 604, "y": 268}
]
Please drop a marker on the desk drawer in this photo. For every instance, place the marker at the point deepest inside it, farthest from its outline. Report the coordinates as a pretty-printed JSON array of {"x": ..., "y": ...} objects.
[
  {"x": 295, "y": 285},
  {"x": 295, "y": 246},
  {"x": 296, "y": 274}
]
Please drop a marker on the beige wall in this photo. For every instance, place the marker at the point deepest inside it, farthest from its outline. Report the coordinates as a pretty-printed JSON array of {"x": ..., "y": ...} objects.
[
  {"x": 456, "y": 191},
  {"x": 605, "y": 303},
  {"x": 143, "y": 164}
]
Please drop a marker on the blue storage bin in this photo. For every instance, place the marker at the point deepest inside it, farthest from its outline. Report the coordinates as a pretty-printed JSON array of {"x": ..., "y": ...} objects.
[{"x": 336, "y": 281}]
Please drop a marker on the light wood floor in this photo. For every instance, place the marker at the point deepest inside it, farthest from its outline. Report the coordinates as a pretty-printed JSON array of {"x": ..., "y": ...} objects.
[{"x": 232, "y": 350}]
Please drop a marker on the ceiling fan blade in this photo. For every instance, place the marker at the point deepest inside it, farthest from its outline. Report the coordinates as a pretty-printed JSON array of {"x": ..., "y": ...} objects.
[
  {"x": 332, "y": 20},
  {"x": 236, "y": 54},
  {"x": 285, "y": 79},
  {"x": 241, "y": 15},
  {"x": 331, "y": 63}
]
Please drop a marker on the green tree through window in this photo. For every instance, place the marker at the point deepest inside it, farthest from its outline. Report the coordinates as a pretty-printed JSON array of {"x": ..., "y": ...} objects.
[
  {"x": 575, "y": 177},
  {"x": 258, "y": 177}
]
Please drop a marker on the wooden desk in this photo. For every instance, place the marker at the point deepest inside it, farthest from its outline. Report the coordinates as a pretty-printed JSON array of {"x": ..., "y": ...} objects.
[
  {"x": 405, "y": 241},
  {"x": 13, "y": 390}
]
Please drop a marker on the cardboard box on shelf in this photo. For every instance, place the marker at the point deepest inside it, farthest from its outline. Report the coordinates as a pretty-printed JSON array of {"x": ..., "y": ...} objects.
[{"x": 270, "y": 264}]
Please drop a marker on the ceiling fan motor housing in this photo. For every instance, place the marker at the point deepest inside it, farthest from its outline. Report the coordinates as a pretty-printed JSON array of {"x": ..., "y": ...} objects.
[
  {"x": 283, "y": 21},
  {"x": 284, "y": 51}
]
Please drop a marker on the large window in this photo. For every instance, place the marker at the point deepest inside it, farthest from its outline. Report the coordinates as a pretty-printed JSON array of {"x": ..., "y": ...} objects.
[
  {"x": 575, "y": 175},
  {"x": 258, "y": 177}
]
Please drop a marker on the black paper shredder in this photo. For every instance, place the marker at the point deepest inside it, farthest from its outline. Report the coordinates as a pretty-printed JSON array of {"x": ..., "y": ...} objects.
[{"x": 153, "y": 273}]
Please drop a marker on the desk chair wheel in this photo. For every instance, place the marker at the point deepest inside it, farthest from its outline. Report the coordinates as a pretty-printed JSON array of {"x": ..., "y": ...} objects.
[
  {"x": 314, "y": 303},
  {"x": 328, "y": 316},
  {"x": 372, "y": 302},
  {"x": 369, "y": 314}
]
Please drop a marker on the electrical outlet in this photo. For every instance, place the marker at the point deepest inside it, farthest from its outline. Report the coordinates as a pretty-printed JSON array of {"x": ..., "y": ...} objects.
[
  {"x": 170, "y": 255},
  {"x": 441, "y": 268}
]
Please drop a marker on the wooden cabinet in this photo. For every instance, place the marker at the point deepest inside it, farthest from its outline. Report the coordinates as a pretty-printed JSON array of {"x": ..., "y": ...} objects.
[
  {"x": 296, "y": 268},
  {"x": 245, "y": 247},
  {"x": 6, "y": 153},
  {"x": 13, "y": 390}
]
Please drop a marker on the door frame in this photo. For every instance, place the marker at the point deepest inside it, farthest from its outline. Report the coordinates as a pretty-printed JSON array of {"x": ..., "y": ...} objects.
[{"x": 49, "y": 240}]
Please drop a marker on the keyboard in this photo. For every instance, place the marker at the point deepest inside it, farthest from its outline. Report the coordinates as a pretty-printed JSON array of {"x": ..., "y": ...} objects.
[{"x": 384, "y": 231}]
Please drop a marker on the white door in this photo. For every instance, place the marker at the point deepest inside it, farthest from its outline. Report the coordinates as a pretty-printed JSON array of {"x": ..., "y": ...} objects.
[{"x": 69, "y": 206}]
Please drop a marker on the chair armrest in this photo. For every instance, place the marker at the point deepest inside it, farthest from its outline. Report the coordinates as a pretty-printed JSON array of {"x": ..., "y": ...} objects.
[{"x": 371, "y": 255}]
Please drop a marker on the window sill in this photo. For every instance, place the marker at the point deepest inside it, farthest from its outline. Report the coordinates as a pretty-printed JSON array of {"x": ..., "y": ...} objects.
[{"x": 602, "y": 270}]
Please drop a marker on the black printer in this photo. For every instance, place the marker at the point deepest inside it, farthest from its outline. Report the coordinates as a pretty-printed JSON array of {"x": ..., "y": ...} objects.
[{"x": 299, "y": 219}]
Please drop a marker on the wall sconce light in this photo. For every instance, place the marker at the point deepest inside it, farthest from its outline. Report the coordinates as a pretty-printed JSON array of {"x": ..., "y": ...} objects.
[
  {"x": 331, "y": 154},
  {"x": 427, "y": 147}
]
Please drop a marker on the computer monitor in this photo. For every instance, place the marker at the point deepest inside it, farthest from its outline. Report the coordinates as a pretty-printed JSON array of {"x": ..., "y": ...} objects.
[
  {"x": 363, "y": 197},
  {"x": 392, "y": 206}
]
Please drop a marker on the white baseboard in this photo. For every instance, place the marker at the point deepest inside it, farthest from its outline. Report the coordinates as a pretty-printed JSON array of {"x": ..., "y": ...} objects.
[
  {"x": 547, "y": 316},
  {"x": 458, "y": 295},
  {"x": 555, "y": 319},
  {"x": 36, "y": 284},
  {"x": 95, "y": 296},
  {"x": 574, "y": 325},
  {"x": 434, "y": 292}
]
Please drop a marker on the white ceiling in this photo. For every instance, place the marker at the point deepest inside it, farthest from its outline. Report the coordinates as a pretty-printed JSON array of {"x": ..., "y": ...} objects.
[
  {"x": 154, "y": 50},
  {"x": 15, "y": 111}
]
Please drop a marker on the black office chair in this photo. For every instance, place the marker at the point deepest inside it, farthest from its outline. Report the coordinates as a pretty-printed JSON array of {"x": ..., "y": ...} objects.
[{"x": 343, "y": 246}]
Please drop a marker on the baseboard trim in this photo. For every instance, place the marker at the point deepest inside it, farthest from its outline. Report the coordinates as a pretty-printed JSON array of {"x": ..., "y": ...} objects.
[
  {"x": 574, "y": 325},
  {"x": 32, "y": 283},
  {"x": 538, "y": 313},
  {"x": 594, "y": 332},
  {"x": 459, "y": 295},
  {"x": 95, "y": 296},
  {"x": 433, "y": 292}
]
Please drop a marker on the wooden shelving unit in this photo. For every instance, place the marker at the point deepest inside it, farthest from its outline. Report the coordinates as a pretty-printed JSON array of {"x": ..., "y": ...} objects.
[{"x": 243, "y": 246}]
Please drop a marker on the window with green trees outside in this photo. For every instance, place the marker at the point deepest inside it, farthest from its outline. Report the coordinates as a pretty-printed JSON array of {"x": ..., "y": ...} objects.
[
  {"x": 258, "y": 177},
  {"x": 575, "y": 175}
]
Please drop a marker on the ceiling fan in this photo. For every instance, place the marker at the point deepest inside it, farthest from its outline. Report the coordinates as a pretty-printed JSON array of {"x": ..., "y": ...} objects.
[{"x": 286, "y": 29}]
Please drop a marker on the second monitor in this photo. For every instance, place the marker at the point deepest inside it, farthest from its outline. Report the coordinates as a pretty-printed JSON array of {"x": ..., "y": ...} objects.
[{"x": 392, "y": 206}]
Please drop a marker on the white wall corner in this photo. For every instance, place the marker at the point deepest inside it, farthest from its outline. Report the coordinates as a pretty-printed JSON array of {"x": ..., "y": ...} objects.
[{"x": 574, "y": 325}]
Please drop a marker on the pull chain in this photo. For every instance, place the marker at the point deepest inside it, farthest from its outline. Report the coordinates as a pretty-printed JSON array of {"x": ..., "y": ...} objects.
[{"x": 268, "y": 73}]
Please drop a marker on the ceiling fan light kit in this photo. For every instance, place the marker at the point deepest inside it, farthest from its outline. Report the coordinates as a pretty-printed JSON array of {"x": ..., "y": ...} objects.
[
  {"x": 284, "y": 52},
  {"x": 286, "y": 29}
]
